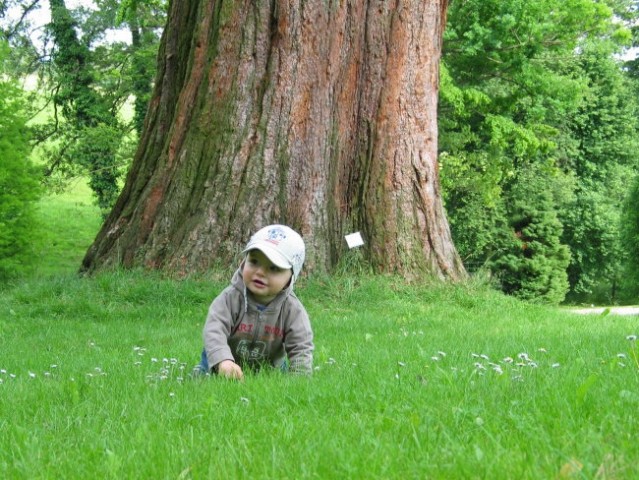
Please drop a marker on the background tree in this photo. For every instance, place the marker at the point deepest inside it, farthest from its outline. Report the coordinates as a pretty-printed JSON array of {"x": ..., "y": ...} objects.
[
  {"x": 85, "y": 81},
  {"x": 321, "y": 115}
]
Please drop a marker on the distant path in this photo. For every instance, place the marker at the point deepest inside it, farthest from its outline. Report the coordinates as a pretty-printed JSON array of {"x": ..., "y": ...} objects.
[{"x": 613, "y": 310}]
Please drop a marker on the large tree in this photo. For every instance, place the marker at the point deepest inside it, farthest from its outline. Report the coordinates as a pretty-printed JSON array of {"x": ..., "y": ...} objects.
[{"x": 319, "y": 114}]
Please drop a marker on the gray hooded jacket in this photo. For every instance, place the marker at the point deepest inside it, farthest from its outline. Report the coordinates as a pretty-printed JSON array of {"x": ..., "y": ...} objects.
[{"x": 240, "y": 330}]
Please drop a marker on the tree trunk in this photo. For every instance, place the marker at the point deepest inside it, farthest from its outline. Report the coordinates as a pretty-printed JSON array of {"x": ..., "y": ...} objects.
[{"x": 320, "y": 114}]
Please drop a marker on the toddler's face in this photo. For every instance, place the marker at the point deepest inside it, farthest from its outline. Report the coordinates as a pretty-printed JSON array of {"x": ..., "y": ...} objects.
[{"x": 263, "y": 278}]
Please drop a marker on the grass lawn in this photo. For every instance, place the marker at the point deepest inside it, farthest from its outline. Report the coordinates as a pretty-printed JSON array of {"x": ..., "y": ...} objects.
[{"x": 427, "y": 381}]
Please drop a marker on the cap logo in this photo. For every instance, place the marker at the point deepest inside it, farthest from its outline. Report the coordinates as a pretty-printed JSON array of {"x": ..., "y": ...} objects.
[{"x": 275, "y": 236}]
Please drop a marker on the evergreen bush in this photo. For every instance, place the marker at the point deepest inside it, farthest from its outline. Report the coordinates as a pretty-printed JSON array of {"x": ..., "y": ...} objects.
[{"x": 531, "y": 262}]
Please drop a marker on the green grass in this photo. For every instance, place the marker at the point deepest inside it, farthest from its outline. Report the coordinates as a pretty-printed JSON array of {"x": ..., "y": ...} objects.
[
  {"x": 70, "y": 221},
  {"x": 410, "y": 382}
]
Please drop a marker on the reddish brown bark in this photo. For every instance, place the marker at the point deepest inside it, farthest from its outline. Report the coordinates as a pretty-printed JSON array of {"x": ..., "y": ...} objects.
[{"x": 318, "y": 114}]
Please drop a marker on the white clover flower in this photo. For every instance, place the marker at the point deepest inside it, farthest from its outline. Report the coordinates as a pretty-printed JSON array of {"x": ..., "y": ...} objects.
[
  {"x": 12, "y": 375},
  {"x": 171, "y": 394},
  {"x": 32, "y": 375},
  {"x": 632, "y": 338},
  {"x": 441, "y": 354},
  {"x": 244, "y": 399},
  {"x": 3, "y": 371},
  {"x": 154, "y": 360},
  {"x": 555, "y": 365}
]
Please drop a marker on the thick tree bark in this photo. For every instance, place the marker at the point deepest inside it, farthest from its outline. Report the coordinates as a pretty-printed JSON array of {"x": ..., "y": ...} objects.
[{"x": 320, "y": 114}]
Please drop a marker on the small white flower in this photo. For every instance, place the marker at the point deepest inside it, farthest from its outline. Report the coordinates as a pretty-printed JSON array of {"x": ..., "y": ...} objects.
[
  {"x": 555, "y": 365},
  {"x": 532, "y": 365},
  {"x": 47, "y": 374},
  {"x": 53, "y": 366},
  {"x": 621, "y": 364},
  {"x": 171, "y": 394},
  {"x": 137, "y": 364},
  {"x": 32, "y": 375},
  {"x": 12, "y": 375},
  {"x": 479, "y": 366},
  {"x": 244, "y": 399},
  {"x": 508, "y": 360},
  {"x": 154, "y": 360},
  {"x": 632, "y": 338},
  {"x": 3, "y": 371},
  {"x": 331, "y": 361},
  {"x": 441, "y": 354},
  {"x": 136, "y": 348},
  {"x": 474, "y": 355},
  {"x": 397, "y": 376},
  {"x": 317, "y": 367},
  {"x": 401, "y": 364},
  {"x": 621, "y": 355},
  {"x": 484, "y": 356},
  {"x": 435, "y": 358},
  {"x": 542, "y": 350},
  {"x": 498, "y": 370},
  {"x": 523, "y": 356}
]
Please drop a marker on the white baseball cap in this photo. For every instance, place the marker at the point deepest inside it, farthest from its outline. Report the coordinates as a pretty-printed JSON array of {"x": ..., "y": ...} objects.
[{"x": 282, "y": 245}]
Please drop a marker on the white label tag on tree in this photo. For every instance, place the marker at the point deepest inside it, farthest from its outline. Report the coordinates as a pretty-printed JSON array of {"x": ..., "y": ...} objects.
[{"x": 354, "y": 240}]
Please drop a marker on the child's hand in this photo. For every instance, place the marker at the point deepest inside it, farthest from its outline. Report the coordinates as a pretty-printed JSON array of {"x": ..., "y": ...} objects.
[{"x": 230, "y": 369}]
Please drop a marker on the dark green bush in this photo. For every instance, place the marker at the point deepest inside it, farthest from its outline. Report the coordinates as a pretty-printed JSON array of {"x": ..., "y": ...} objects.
[{"x": 531, "y": 261}]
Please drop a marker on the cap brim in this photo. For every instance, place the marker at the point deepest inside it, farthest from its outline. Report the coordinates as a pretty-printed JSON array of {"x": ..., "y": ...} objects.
[{"x": 273, "y": 255}]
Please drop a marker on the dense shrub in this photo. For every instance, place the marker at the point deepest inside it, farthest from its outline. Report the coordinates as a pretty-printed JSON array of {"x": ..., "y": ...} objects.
[
  {"x": 531, "y": 263},
  {"x": 19, "y": 186}
]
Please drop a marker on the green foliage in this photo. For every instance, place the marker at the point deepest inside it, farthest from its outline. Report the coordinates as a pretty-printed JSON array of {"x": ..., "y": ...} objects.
[
  {"x": 531, "y": 263},
  {"x": 19, "y": 186},
  {"x": 537, "y": 84}
]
